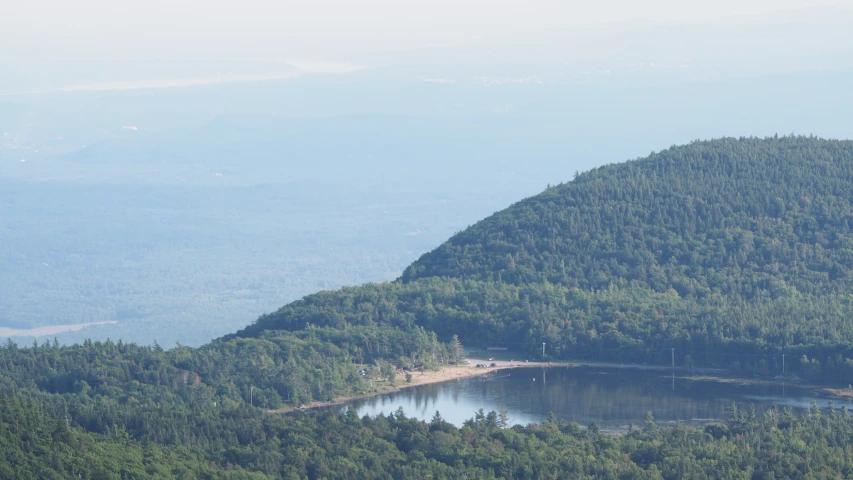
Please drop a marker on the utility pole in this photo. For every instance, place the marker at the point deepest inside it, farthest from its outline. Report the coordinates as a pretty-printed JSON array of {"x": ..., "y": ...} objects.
[
  {"x": 252, "y": 395},
  {"x": 673, "y": 369},
  {"x": 543, "y": 350},
  {"x": 783, "y": 364}
]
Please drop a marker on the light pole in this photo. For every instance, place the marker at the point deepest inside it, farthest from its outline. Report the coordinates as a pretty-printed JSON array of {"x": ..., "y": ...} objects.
[{"x": 543, "y": 350}]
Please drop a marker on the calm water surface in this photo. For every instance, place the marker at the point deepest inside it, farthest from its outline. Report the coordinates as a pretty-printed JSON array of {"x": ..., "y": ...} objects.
[{"x": 613, "y": 398}]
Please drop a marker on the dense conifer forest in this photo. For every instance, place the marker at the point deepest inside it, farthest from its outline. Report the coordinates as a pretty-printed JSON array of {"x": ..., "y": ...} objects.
[
  {"x": 732, "y": 251},
  {"x": 247, "y": 444}
]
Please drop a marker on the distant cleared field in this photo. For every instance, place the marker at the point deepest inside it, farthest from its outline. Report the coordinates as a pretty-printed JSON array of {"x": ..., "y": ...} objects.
[{"x": 49, "y": 330}]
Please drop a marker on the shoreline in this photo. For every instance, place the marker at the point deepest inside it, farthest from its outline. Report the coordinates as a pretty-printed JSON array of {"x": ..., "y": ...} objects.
[
  {"x": 468, "y": 370},
  {"x": 445, "y": 374}
]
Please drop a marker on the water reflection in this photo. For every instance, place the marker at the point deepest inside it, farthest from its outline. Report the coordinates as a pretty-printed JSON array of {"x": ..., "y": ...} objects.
[{"x": 612, "y": 398}]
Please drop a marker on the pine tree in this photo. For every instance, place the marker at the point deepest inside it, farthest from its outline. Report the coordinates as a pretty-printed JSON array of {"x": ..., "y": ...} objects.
[{"x": 456, "y": 349}]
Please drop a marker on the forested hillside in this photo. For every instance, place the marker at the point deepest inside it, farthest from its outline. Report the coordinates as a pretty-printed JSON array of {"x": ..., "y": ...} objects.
[
  {"x": 37, "y": 443},
  {"x": 244, "y": 443},
  {"x": 732, "y": 251},
  {"x": 746, "y": 218}
]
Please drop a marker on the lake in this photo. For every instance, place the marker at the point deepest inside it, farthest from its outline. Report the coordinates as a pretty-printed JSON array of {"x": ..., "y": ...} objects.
[{"x": 613, "y": 398}]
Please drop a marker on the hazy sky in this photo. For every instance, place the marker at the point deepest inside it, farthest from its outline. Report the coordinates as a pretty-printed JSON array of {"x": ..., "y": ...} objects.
[
  {"x": 116, "y": 19},
  {"x": 56, "y": 44}
]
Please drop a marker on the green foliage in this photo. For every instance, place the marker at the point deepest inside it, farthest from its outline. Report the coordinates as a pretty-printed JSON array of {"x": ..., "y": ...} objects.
[
  {"x": 733, "y": 252},
  {"x": 36, "y": 443},
  {"x": 742, "y": 218}
]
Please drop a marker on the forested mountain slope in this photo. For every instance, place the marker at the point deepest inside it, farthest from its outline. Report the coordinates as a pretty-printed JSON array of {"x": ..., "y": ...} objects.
[
  {"x": 731, "y": 251},
  {"x": 743, "y": 218}
]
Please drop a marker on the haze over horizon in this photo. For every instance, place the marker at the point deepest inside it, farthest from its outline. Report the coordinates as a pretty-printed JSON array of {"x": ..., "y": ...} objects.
[
  {"x": 183, "y": 167},
  {"x": 99, "y": 45}
]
